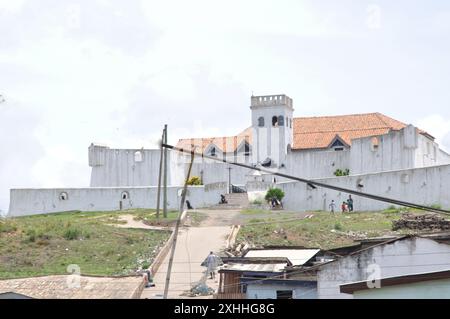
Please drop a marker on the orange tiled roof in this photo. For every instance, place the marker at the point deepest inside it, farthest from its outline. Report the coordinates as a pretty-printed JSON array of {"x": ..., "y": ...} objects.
[
  {"x": 319, "y": 132},
  {"x": 312, "y": 132},
  {"x": 226, "y": 144}
]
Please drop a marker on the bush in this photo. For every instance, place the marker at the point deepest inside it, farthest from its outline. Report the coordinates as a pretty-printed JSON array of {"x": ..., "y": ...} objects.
[
  {"x": 338, "y": 226},
  {"x": 71, "y": 233},
  {"x": 340, "y": 172},
  {"x": 194, "y": 180},
  {"x": 274, "y": 193},
  {"x": 436, "y": 206}
]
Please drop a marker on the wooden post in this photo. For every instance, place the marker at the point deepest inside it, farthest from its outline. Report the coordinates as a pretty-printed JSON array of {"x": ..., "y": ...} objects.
[
  {"x": 160, "y": 174},
  {"x": 165, "y": 175},
  {"x": 177, "y": 225}
]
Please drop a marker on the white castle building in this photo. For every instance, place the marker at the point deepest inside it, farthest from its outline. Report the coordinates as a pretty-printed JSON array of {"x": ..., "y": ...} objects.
[{"x": 376, "y": 153}]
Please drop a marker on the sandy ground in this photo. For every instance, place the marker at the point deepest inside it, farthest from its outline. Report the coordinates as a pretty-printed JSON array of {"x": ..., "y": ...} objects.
[
  {"x": 131, "y": 223},
  {"x": 193, "y": 246}
]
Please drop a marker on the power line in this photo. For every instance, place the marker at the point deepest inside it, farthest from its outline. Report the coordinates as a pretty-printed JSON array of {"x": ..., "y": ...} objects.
[{"x": 312, "y": 182}]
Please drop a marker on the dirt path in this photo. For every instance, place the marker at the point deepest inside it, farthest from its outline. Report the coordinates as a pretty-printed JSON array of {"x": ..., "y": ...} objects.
[
  {"x": 193, "y": 246},
  {"x": 131, "y": 223}
]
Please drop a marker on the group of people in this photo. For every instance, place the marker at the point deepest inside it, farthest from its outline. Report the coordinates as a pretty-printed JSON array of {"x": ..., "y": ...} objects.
[{"x": 346, "y": 206}]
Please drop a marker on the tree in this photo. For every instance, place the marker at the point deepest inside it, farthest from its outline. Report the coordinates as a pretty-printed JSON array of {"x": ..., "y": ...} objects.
[{"x": 274, "y": 193}]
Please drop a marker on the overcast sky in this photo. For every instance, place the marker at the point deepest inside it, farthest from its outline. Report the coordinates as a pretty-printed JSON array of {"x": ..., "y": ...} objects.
[{"x": 114, "y": 72}]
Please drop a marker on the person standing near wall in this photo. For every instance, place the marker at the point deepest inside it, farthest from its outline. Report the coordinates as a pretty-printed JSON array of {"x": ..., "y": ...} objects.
[
  {"x": 350, "y": 203},
  {"x": 332, "y": 206}
]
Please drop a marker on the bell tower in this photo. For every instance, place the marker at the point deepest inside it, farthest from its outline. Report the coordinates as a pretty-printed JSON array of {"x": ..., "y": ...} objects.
[{"x": 272, "y": 121}]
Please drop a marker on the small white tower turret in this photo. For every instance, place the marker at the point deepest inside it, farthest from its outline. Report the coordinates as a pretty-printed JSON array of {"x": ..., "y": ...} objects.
[{"x": 272, "y": 121}]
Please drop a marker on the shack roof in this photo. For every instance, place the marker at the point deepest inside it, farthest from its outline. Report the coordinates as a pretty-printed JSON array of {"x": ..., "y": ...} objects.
[{"x": 297, "y": 257}]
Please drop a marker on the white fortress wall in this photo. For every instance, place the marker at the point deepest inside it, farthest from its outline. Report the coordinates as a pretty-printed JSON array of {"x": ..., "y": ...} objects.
[
  {"x": 395, "y": 150},
  {"x": 129, "y": 167},
  {"x": 317, "y": 163},
  {"x": 427, "y": 186},
  {"x": 41, "y": 201}
]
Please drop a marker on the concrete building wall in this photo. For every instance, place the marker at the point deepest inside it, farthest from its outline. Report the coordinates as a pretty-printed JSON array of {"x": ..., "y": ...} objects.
[
  {"x": 317, "y": 164},
  {"x": 129, "y": 167},
  {"x": 266, "y": 291},
  {"x": 434, "y": 289},
  {"x": 427, "y": 186},
  {"x": 402, "y": 257},
  {"x": 391, "y": 151},
  {"x": 41, "y": 201}
]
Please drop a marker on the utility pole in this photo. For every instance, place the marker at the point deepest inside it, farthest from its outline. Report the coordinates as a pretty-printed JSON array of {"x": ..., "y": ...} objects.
[
  {"x": 160, "y": 174},
  {"x": 230, "y": 189},
  {"x": 165, "y": 174},
  {"x": 177, "y": 225}
]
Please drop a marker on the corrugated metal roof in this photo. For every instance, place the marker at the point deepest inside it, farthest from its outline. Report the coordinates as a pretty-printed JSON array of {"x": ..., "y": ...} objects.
[
  {"x": 255, "y": 267},
  {"x": 297, "y": 257}
]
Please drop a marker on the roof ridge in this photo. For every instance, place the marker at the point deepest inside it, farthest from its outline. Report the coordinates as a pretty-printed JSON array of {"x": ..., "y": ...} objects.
[
  {"x": 340, "y": 115},
  {"x": 346, "y": 130}
]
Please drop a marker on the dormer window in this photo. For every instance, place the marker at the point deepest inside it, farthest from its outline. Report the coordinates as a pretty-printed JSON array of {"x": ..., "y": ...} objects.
[
  {"x": 261, "y": 121},
  {"x": 338, "y": 145}
]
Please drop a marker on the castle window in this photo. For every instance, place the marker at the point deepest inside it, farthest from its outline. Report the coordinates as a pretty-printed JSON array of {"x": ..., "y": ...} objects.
[
  {"x": 125, "y": 195},
  {"x": 275, "y": 121},
  {"x": 280, "y": 120},
  {"x": 375, "y": 143},
  {"x": 212, "y": 152},
  {"x": 290, "y": 121},
  {"x": 138, "y": 156},
  {"x": 63, "y": 196},
  {"x": 261, "y": 121}
]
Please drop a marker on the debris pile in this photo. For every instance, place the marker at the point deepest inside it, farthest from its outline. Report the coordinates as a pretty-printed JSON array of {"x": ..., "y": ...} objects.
[
  {"x": 237, "y": 249},
  {"x": 200, "y": 289},
  {"x": 421, "y": 222}
]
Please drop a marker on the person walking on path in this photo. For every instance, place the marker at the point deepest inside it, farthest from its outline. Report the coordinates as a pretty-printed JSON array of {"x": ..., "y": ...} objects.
[
  {"x": 332, "y": 206},
  {"x": 350, "y": 203},
  {"x": 212, "y": 262}
]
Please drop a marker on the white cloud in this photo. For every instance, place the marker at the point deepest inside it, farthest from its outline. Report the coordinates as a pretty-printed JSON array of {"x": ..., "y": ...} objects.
[
  {"x": 373, "y": 20},
  {"x": 11, "y": 6}
]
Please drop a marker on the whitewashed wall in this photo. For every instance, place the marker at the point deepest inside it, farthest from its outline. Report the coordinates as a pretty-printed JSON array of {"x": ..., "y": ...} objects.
[
  {"x": 434, "y": 289},
  {"x": 427, "y": 186},
  {"x": 118, "y": 167},
  {"x": 41, "y": 201},
  {"x": 269, "y": 291},
  {"x": 402, "y": 257},
  {"x": 317, "y": 164}
]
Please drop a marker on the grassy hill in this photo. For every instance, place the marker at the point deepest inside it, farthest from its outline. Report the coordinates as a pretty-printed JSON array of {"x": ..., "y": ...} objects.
[
  {"x": 323, "y": 230},
  {"x": 47, "y": 244}
]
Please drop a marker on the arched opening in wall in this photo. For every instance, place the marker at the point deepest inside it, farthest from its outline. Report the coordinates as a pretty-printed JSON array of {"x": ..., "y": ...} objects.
[
  {"x": 261, "y": 121},
  {"x": 138, "y": 157},
  {"x": 275, "y": 121},
  {"x": 125, "y": 196},
  {"x": 63, "y": 196},
  {"x": 280, "y": 120}
]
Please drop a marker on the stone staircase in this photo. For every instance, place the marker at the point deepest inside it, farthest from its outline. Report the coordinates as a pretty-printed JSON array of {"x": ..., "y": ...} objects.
[{"x": 235, "y": 201}]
